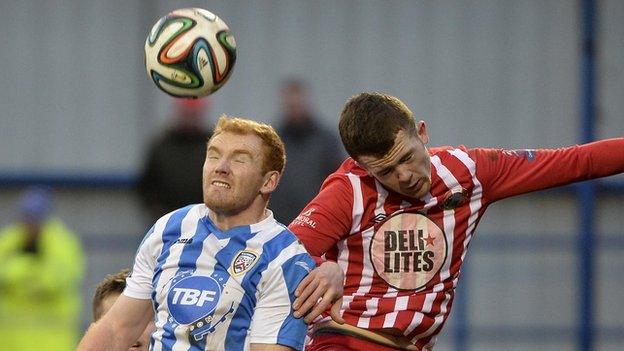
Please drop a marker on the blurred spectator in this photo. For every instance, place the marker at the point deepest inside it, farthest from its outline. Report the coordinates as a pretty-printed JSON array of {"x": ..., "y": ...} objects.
[
  {"x": 40, "y": 279},
  {"x": 106, "y": 293},
  {"x": 171, "y": 176},
  {"x": 312, "y": 151}
]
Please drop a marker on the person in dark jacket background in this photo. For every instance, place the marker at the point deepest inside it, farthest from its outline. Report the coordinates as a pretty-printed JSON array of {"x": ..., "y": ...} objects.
[
  {"x": 312, "y": 151},
  {"x": 171, "y": 175}
]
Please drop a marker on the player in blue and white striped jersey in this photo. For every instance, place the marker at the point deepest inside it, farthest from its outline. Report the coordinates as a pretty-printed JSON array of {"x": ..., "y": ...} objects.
[{"x": 220, "y": 275}]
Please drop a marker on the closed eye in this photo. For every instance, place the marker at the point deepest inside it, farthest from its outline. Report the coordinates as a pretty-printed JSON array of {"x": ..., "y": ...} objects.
[
  {"x": 406, "y": 158},
  {"x": 212, "y": 154},
  {"x": 385, "y": 171},
  {"x": 241, "y": 158}
]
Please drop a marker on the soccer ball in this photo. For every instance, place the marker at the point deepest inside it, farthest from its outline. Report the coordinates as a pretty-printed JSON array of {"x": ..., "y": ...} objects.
[{"x": 190, "y": 53}]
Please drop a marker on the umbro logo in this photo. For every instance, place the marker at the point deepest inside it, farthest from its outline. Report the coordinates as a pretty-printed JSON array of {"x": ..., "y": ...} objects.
[
  {"x": 379, "y": 217},
  {"x": 184, "y": 241},
  {"x": 303, "y": 265}
]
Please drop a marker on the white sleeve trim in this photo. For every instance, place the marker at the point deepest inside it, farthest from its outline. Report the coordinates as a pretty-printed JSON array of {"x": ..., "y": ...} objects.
[
  {"x": 139, "y": 283},
  {"x": 137, "y": 294}
]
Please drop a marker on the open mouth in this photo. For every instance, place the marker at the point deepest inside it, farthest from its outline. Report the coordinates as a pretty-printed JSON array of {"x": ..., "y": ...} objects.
[
  {"x": 221, "y": 184},
  {"x": 416, "y": 185}
]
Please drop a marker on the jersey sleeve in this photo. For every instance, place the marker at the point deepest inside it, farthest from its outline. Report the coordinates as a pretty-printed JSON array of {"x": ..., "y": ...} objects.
[
  {"x": 327, "y": 218},
  {"x": 505, "y": 173},
  {"x": 273, "y": 321},
  {"x": 139, "y": 283}
]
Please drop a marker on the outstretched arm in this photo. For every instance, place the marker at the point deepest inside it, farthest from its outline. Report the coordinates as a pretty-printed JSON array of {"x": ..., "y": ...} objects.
[
  {"x": 118, "y": 329},
  {"x": 506, "y": 173}
]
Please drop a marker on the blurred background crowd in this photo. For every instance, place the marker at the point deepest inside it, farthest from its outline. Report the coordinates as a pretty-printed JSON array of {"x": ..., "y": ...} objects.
[{"x": 91, "y": 152}]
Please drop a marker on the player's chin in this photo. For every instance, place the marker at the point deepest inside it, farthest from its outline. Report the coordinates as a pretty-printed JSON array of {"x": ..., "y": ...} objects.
[
  {"x": 222, "y": 204},
  {"x": 419, "y": 191},
  {"x": 216, "y": 197}
]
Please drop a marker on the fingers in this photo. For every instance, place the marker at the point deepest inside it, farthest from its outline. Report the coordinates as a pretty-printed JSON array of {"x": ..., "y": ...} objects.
[
  {"x": 335, "y": 312},
  {"x": 304, "y": 282},
  {"x": 316, "y": 292},
  {"x": 305, "y": 289},
  {"x": 323, "y": 304},
  {"x": 329, "y": 295},
  {"x": 307, "y": 298},
  {"x": 314, "y": 299}
]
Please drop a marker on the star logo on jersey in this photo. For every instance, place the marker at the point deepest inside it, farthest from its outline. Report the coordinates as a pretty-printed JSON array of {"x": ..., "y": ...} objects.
[
  {"x": 243, "y": 261},
  {"x": 430, "y": 240}
]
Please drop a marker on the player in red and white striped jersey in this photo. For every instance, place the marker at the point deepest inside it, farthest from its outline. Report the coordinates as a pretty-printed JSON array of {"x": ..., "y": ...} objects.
[{"x": 400, "y": 274}]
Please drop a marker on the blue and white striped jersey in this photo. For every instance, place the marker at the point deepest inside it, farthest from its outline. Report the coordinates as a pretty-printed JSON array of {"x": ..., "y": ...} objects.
[{"x": 215, "y": 290}]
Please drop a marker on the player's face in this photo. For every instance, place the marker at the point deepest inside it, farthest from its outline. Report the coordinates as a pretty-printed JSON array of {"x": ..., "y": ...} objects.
[
  {"x": 233, "y": 177},
  {"x": 406, "y": 168}
]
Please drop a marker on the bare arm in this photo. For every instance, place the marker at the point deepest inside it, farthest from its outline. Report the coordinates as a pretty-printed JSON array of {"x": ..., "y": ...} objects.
[
  {"x": 326, "y": 283},
  {"x": 120, "y": 327},
  {"x": 323, "y": 223},
  {"x": 269, "y": 347}
]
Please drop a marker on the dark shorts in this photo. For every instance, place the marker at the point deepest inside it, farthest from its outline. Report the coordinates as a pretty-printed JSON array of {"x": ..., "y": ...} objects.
[{"x": 328, "y": 341}]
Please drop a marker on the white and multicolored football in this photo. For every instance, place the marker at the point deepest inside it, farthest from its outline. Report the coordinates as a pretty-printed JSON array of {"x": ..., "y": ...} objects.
[{"x": 190, "y": 53}]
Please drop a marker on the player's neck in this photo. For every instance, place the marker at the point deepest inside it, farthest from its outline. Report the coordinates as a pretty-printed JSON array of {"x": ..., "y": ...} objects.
[{"x": 226, "y": 221}]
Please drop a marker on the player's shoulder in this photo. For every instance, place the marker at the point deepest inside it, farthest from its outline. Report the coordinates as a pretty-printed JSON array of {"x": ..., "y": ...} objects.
[
  {"x": 281, "y": 238},
  {"x": 349, "y": 167},
  {"x": 345, "y": 167},
  {"x": 172, "y": 221},
  {"x": 193, "y": 210},
  {"x": 451, "y": 153},
  {"x": 284, "y": 247},
  {"x": 447, "y": 149}
]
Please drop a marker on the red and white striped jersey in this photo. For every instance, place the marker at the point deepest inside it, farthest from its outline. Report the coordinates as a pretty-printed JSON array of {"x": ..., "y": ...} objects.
[{"x": 340, "y": 222}]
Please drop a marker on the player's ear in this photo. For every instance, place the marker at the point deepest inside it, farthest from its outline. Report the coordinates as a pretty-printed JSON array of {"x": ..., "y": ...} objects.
[
  {"x": 271, "y": 179},
  {"x": 421, "y": 131}
]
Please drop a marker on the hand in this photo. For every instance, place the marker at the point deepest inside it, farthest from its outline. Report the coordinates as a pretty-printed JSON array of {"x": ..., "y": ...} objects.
[{"x": 322, "y": 287}]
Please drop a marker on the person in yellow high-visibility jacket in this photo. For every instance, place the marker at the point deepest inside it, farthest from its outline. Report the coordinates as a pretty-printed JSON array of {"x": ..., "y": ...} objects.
[{"x": 41, "y": 270}]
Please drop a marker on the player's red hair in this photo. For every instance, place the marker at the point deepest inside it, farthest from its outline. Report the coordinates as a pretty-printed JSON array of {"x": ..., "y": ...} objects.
[{"x": 274, "y": 150}]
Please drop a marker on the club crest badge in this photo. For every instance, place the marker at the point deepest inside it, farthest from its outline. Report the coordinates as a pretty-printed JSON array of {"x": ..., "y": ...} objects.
[
  {"x": 243, "y": 261},
  {"x": 455, "y": 198}
]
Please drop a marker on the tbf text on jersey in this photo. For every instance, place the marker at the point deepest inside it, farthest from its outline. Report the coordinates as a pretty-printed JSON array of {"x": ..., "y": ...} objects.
[{"x": 215, "y": 290}]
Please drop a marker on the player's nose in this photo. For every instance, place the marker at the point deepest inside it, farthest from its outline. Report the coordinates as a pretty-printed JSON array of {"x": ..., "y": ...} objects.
[
  {"x": 404, "y": 175},
  {"x": 223, "y": 166}
]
